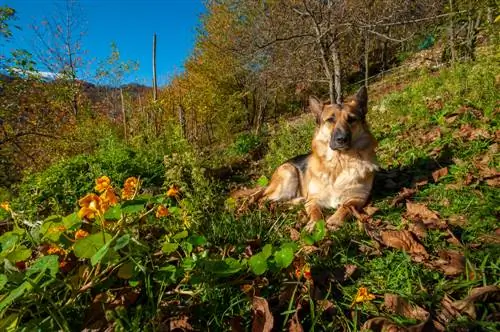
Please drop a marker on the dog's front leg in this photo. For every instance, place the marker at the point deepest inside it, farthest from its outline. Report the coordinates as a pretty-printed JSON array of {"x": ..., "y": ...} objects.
[
  {"x": 314, "y": 212},
  {"x": 343, "y": 212}
]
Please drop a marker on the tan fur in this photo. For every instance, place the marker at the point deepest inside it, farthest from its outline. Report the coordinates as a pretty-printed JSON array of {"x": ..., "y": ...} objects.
[{"x": 339, "y": 179}]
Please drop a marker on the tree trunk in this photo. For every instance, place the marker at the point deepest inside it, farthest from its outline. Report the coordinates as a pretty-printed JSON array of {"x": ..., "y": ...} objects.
[
  {"x": 337, "y": 74},
  {"x": 124, "y": 116},
  {"x": 182, "y": 120},
  {"x": 155, "y": 86},
  {"x": 451, "y": 34},
  {"x": 367, "y": 70}
]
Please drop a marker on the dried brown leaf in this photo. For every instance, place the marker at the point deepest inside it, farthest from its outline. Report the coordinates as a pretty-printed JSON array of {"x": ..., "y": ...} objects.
[
  {"x": 379, "y": 324},
  {"x": 404, "y": 240},
  {"x": 451, "y": 262},
  {"x": 263, "y": 320},
  {"x": 180, "y": 323},
  {"x": 371, "y": 210},
  {"x": 400, "y": 306},
  {"x": 436, "y": 175},
  {"x": 418, "y": 228},
  {"x": 418, "y": 211},
  {"x": 349, "y": 270},
  {"x": 295, "y": 325},
  {"x": 236, "y": 324},
  {"x": 294, "y": 234},
  {"x": 403, "y": 195},
  {"x": 453, "y": 309}
]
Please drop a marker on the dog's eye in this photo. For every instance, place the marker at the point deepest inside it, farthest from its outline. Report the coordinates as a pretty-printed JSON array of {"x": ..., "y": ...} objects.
[
  {"x": 351, "y": 119},
  {"x": 331, "y": 119}
]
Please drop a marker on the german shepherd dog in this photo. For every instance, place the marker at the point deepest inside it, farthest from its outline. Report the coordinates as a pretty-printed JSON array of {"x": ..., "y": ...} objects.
[{"x": 338, "y": 172}]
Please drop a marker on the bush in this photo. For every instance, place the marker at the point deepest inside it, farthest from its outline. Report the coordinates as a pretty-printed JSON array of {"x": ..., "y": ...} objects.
[
  {"x": 244, "y": 143},
  {"x": 56, "y": 189},
  {"x": 290, "y": 140}
]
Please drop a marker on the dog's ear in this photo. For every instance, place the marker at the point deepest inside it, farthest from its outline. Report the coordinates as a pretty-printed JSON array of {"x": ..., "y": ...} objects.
[
  {"x": 361, "y": 98},
  {"x": 316, "y": 107}
]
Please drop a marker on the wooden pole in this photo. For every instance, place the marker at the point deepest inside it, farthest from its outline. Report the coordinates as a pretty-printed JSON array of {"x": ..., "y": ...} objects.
[{"x": 155, "y": 86}]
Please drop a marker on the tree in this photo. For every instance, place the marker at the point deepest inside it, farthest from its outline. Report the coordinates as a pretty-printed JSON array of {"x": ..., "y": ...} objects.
[
  {"x": 58, "y": 48},
  {"x": 111, "y": 73}
]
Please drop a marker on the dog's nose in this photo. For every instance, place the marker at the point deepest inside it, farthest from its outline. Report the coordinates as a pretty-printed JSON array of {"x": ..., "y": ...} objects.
[{"x": 340, "y": 137}]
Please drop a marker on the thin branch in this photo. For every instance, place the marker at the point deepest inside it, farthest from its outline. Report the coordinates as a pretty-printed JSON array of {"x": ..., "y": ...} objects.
[{"x": 381, "y": 35}]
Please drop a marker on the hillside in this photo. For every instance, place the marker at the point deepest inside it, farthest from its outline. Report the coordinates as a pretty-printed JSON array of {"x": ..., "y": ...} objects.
[{"x": 163, "y": 247}]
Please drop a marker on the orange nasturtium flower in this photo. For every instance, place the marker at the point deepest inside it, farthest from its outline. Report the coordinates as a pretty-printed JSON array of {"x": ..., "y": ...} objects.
[
  {"x": 56, "y": 229},
  {"x": 80, "y": 234},
  {"x": 6, "y": 206},
  {"x": 161, "y": 211},
  {"x": 363, "y": 296},
  {"x": 305, "y": 272},
  {"x": 54, "y": 249},
  {"x": 129, "y": 187},
  {"x": 102, "y": 183},
  {"x": 90, "y": 206},
  {"x": 173, "y": 191},
  {"x": 108, "y": 198}
]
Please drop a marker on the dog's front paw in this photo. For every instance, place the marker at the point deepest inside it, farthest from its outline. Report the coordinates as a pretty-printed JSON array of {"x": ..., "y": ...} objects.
[
  {"x": 334, "y": 222},
  {"x": 310, "y": 226}
]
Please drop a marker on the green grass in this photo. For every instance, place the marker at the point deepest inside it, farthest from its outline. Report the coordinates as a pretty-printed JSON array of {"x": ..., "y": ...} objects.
[{"x": 191, "y": 280}]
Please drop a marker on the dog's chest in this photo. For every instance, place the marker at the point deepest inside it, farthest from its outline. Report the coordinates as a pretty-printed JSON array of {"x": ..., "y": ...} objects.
[{"x": 330, "y": 188}]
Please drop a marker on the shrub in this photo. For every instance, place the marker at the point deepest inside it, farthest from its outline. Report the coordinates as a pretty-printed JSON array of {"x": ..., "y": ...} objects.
[
  {"x": 290, "y": 140},
  {"x": 56, "y": 189}
]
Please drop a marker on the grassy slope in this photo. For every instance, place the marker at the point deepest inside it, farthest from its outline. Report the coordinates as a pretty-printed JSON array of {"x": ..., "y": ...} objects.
[{"x": 405, "y": 123}]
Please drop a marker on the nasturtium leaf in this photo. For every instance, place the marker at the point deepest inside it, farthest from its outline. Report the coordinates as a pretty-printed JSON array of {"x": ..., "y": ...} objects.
[
  {"x": 72, "y": 222},
  {"x": 187, "y": 247},
  {"x": 15, "y": 294},
  {"x": 8, "y": 240},
  {"x": 133, "y": 206},
  {"x": 174, "y": 210},
  {"x": 262, "y": 181},
  {"x": 169, "y": 248},
  {"x": 126, "y": 271},
  {"x": 188, "y": 264},
  {"x": 292, "y": 245},
  {"x": 20, "y": 254},
  {"x": 99, "y": 255},
  {"x": 113, "y": 213},
  {"x": 317, "y": 234},
  {"x": 52, "y": 229},
  {"x": 180, "y": 235},
  {"x": 319, "y": 231},
  {"x": 134, "y": 283},
  {"x": 197, "y": 240},
  {"x": 3, "y": 281},
  {"x": 122, "y": 242},
  {"x": 88, "y": 246},
  {"x": 283, "y": 257},
  {"x": 48, "y": 263},
  {"x": 267, "y": 251},
  {"x": 258, "y": 264}
]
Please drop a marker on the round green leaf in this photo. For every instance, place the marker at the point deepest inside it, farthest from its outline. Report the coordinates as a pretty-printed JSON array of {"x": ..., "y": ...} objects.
[
  {"x": 283, "y": 257},
  {"x": 126, "y": 271},
  {"x": 89, "y": 246},
  {"x": 20, "y": 254},
  {"x": 3, "y": 281},
  {"x": 169, "y": 248},
  {"x": 72, "y": 222},
  {"x": 258, "y": 264}
]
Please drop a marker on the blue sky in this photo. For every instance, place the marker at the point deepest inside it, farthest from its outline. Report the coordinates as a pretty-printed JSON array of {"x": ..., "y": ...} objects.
[{"x": 129, "y": 23}]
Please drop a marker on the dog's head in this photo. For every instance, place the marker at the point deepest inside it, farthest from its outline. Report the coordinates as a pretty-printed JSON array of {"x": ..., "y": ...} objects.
[{"x": 341, "y": 125}]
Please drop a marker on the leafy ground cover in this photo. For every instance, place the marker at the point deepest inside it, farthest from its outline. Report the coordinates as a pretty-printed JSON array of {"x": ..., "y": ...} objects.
[{"x": 424, "y": 255}]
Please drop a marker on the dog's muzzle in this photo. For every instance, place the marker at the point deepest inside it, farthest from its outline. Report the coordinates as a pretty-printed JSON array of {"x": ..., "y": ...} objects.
[{"x": 340, "y": 140}]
